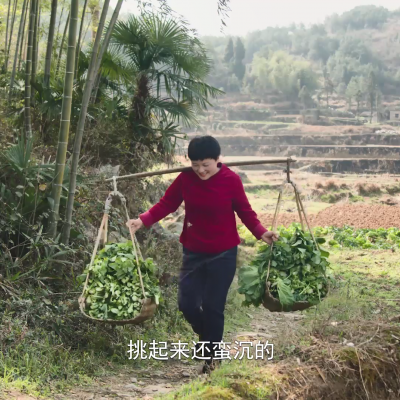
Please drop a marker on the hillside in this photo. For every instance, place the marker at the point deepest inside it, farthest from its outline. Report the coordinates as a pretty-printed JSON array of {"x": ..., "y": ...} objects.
[{"x": 353, "y": 56}]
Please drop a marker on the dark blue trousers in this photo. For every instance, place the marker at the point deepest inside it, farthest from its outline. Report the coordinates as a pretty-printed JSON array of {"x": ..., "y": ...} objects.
[{"x": 204, "y": 282}]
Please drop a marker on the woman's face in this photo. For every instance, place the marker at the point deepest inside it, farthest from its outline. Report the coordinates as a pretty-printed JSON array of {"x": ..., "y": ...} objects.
[{"x": 205, "y": 169}]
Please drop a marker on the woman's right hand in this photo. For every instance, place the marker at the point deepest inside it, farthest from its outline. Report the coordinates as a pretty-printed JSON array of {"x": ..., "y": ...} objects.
[{"x": 134, "y": 224}]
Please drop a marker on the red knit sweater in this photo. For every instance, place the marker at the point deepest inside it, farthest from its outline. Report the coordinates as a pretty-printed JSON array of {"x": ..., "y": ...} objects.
[{"x": 210, "y": 206}]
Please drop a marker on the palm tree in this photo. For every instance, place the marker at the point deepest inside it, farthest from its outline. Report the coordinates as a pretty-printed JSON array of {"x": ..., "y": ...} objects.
[{"x": 168, "y": 67}]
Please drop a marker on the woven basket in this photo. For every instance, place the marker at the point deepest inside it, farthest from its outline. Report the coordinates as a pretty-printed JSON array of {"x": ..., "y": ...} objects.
[
  {"x": 274, "y": 305},
  {"x": 149, "y": 306},
  {"x": 148, "y": 310},
  {"x": 269, "y": 301}
]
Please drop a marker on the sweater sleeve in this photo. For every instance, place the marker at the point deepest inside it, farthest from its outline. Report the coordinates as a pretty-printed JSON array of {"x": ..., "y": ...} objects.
[
  {"x": 168, "y": 204},
  {"x": 244, "y": 211}
]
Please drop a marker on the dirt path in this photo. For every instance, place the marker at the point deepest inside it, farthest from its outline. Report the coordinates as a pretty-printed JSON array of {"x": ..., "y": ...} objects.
[{"x": 151, "y": 383}]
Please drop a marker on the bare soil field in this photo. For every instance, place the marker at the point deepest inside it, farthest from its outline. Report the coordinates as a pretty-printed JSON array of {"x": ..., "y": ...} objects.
[{"x": 370, "y": 216}]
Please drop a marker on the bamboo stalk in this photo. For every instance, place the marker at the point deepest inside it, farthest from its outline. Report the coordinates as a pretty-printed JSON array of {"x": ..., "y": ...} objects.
[
  {"x": 50, "y": 42},
  {"x": 185, "y": 169},
  {"x": 65, "y": 118},
  {"x": 6, "y": 43},
  {"x": 97, "y": 52},
  {"x": 103, "y": 49},
  {"x": 62, "y": 44},
  {"x": 59, "y": 21},
  {"x": 24, "y": 34},
  {"x": 11, "y": 33},
  {"x": 19, "y": 37},
  {"x": 28, "y": 71},
  {"x": 78, "y": 45},
  {"x": 34, "y": 53}
]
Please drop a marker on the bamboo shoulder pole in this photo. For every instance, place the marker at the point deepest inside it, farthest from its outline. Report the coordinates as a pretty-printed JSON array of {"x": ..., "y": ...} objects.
[{"x": 183, "y": 169}]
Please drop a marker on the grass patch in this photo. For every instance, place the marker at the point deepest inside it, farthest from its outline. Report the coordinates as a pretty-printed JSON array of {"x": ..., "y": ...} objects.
[
  {"x": 356, "y": 199},
  {"x": 343, "y": 348},
  {"x": 259, "y": 190},
  {"x": 393, "y": 189},
  {"x": 48, "y": 347},
  {"x": 367, "y": 189},
  {"x": 372, "y": 277},
  {"x": 237, "y": 379}
]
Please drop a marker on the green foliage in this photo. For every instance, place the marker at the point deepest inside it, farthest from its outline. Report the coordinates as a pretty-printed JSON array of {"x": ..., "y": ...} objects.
[
  {"x": 322, "y": 47},
  {"x": 334, "y": 44},
  {"x": 233, "y": 59},
  {"x": 114, "y": 290},
  {"x": 354, "y": 91},
  {"x": 282, "y": 72},
  {"x": 329, "y": 198},
  {"x": 369, "y": 16},
  {"x": 356, "y": 199},
  {"x": 305, "y": 97},
  {"x": 349, "y": 237},
  {"x": 240, "y": 51},
  {"x": 238, "y": 68},
  {"x": 247, "y": 237},
  {"x": 297, "y": 271},
  {"x": 25, "y": 209},
  {"x": 229, "y": 52},
  {"x": 167, "y": 66}
]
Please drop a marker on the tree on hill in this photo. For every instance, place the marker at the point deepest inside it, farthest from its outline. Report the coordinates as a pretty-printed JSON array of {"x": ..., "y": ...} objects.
[
  {"x": 229, "y": 53},
  {"x": 351, "y": 92},
  {"x": 361, "y": 17},
  {"x": 321, "y": 48},
  {"x": 305, "y": 97},
  {"x": 371, "y": 89},
  {"x": 329, "y": 86},
  {"x": 238, "y": 67},
  {"x": 284, "y": 73}
]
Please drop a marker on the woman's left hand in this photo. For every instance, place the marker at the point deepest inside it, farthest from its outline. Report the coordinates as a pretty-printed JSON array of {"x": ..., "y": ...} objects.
[{"x": 270, "y": 237}]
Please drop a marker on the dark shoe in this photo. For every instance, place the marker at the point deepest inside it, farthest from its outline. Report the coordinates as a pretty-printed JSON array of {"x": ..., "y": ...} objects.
[{"x": 209, "y": 366}]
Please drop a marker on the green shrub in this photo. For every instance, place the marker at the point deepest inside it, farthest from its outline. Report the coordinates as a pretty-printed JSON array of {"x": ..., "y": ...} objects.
[
  {"x": 246, "y": 236},
  {"x": 356, "y": 199}
]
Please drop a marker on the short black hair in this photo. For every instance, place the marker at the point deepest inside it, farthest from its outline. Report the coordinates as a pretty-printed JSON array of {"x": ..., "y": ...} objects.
[{"x": 203, "y": 147}]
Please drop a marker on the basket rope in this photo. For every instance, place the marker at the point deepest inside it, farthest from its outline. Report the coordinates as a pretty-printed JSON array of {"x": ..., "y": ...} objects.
[
  {"x": 300, "y": 209},
  {"x": 102, "y": 234}
]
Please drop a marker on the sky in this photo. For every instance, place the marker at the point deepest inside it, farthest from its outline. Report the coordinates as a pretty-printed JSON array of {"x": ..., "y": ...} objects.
[{"x": 250, "y": 15}]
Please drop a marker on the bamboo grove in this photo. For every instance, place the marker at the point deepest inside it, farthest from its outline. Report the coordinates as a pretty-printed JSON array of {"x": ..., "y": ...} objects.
[{"x": 79, "y": 81}]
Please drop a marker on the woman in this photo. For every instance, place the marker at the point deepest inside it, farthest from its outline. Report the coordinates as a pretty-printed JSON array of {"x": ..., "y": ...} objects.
[{"x": 212, "y": 194}]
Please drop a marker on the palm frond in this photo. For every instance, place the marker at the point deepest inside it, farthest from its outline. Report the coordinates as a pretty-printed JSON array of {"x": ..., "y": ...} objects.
[
  {"x": 116, "y": 67},
  {"x": 167, "y": 67},
  {"x": 19, "y": 155},
  {"x": 169, "y": 109}
]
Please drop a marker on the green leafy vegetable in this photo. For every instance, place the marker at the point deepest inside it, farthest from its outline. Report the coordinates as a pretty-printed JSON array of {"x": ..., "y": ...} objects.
[
  {"x": 285, "y": 293},
  {"x": 350, "y": 237},
  {"x": 298, "y": 271},
  {"x": 114, "y": 290}
]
